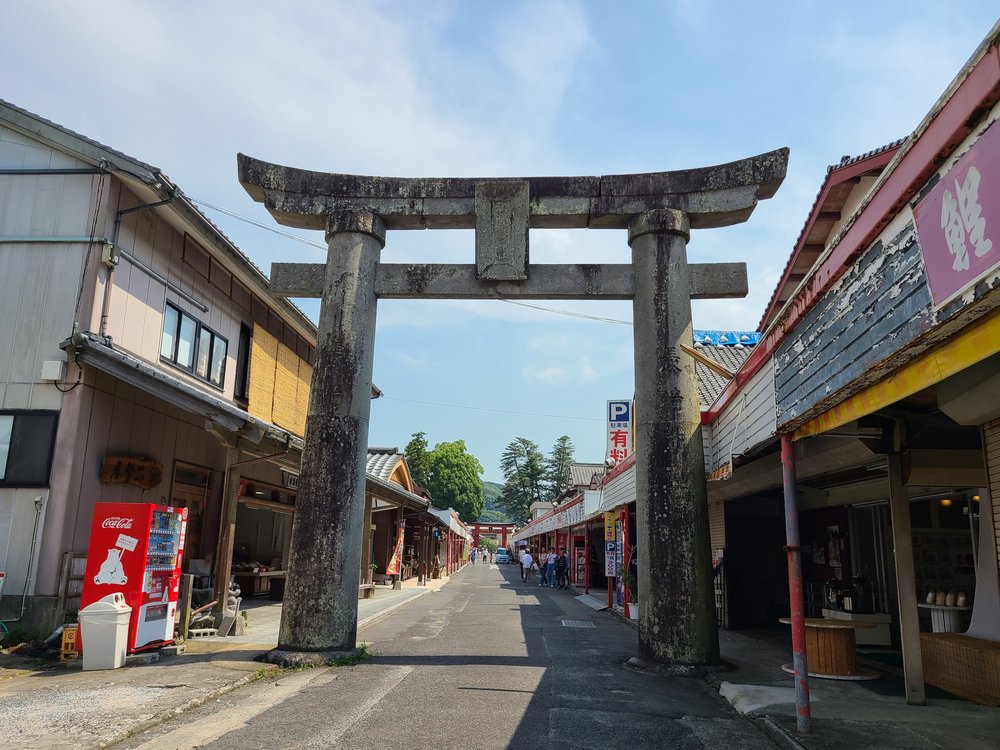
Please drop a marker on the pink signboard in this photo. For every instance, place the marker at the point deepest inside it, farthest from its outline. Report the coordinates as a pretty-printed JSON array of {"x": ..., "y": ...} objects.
[{"x": 958, "y": 221}]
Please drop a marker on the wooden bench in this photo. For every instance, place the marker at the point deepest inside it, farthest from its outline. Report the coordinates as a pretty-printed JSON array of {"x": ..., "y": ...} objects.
[
  {"x": 968, "y": 667},
  {"x": 366, "y": 591}
]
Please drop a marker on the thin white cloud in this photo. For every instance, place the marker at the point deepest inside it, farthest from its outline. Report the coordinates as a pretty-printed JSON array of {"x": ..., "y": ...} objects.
[
  {"x": 411, "y": 361},
  {"x": 553, "y": 375}
]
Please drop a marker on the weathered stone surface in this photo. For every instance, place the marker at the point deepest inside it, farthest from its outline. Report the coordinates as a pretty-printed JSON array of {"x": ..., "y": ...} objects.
[
  {"x": 502, "y": 231},
  {"x": 548, "y": 281},
  {"x": 294, "y": 659},
  {"x": 711, "y": 196},
  {"x": 676, "y": 608},
  {"x": 321, "y": 601}
]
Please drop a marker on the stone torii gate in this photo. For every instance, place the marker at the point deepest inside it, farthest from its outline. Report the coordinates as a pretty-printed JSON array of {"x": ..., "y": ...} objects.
[{"x": 676, "y": 610}]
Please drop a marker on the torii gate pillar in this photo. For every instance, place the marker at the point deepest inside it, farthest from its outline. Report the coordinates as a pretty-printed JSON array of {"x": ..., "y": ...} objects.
[
  {"x": 324, "y": 561},
  {"x": 676, "y": 609}
]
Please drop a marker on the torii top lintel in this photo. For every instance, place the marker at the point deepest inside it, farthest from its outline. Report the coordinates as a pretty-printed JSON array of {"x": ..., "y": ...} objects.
[{"x": 711, "y": 196}]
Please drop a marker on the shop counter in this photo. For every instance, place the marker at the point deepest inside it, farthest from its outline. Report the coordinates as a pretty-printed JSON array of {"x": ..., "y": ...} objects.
[{"x": 256, "y": 583}]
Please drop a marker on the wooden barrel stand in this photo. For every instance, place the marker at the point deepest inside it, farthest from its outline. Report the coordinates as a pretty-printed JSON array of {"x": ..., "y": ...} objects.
[{"x": 830, "y": 649}]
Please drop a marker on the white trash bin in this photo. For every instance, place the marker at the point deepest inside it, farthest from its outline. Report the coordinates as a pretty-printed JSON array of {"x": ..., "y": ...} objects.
[{"x": 104, "y": 632}]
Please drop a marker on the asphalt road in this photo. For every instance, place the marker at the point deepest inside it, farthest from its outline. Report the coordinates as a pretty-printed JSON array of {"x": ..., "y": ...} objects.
[{"x": 487, "y": 662}]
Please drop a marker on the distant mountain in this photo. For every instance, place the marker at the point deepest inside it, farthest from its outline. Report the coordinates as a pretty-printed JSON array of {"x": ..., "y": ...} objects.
[
  {"x": 492, "y": 513},
  {"x": 491, "y": 494}
]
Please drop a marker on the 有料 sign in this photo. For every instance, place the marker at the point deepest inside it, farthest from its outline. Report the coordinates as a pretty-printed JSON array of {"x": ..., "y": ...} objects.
[{"x": 619, "y": 430}]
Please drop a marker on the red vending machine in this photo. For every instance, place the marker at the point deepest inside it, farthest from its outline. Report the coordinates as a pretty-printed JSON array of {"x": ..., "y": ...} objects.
[{"x": 136, "y": 548}]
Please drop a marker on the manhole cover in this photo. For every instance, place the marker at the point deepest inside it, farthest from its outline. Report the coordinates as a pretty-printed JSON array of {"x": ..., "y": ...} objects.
[{"x": 578, "y": 624}]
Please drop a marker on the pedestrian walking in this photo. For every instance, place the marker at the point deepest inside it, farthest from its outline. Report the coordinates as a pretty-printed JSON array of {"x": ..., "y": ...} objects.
[
  {"x": 472, "y": 556},
  {"x": 549, "y": 571},
  {"x": 526, "y": 562},
  {"x": 562, "y": 568}
]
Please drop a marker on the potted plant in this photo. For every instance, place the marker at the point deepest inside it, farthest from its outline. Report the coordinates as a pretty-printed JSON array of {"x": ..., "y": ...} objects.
[{"x": 629, "y": 581}]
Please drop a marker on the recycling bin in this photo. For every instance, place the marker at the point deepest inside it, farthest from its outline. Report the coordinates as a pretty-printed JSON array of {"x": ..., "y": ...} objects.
[{"x": 104, "y": 632}]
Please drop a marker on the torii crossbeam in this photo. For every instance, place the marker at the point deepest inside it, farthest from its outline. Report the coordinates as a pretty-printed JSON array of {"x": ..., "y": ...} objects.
[{"x": 676, "y": 610}]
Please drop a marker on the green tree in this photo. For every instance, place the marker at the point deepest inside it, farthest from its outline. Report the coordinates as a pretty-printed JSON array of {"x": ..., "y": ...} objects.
[
  {"x": 523, "y": 467},
  {"x": 453, "y": 479},
  {"x": 417, "y": 459},
  {"x": 557, "y": 476}
]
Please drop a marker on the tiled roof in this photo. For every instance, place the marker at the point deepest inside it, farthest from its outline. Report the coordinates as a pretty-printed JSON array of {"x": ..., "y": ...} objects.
[
  {"x": 823, "y": 197},
  {"x": 730, "y": 349},
  {"x": 846, "y": 161},
  {"x": 581, "y": 474},
  {"x": 382, "y": 461}
]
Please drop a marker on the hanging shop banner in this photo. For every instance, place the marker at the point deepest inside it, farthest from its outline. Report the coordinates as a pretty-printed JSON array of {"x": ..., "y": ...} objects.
[
  {"x": 609, "y": 527},
  {"x": 619, "y": 430},
  {"x": 397, "y": 555},
  {"x": 958, "y": 221}
]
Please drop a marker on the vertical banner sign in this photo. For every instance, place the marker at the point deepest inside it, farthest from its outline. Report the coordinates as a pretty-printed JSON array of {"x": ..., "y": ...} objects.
[
  {"x": 610, "y": 555},
  {"x": 958, "y": 221},
  {"x": 609, "y": 527},
  {"x": 397, "y": 554},
  {"x": 619, "y": 430}
]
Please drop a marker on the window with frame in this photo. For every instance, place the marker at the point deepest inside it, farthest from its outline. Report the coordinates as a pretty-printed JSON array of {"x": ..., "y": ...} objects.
[
  {"x": 27, "y": 439},
  {"x": 192, "y": 346},
  {"x": 242, "y": 388}
]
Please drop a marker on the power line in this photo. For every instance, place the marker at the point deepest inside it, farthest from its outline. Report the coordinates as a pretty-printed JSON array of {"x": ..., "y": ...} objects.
[
  {"x": 321, "y": 246},
  {"x": 248, "y": 220},
  {"x": 496, "y": 411},
  {"x": 569, "y": 313}
]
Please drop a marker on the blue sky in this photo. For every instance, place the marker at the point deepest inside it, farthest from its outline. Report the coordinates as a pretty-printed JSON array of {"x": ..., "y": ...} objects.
[{"x": 465, "y": 88}]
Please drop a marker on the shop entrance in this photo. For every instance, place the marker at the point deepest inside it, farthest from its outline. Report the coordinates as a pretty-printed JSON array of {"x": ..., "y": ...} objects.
[
  {"x": 263, "y": 538},
  {"x": 190, "y": 490}
]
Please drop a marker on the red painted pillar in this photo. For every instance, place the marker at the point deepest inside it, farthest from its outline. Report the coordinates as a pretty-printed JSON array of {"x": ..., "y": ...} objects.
[
  {"x": 626, "y": 560},
  {"x": 792, "y": 547}
]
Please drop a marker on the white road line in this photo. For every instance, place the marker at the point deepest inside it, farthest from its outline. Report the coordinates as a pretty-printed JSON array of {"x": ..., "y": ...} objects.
[
  {"x": 341, "y": 724},
  {"x": 211, "y": 728}
]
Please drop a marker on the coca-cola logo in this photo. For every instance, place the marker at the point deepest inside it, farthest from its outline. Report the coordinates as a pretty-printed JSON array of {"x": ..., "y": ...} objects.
[{"x": 117, "y": 522}]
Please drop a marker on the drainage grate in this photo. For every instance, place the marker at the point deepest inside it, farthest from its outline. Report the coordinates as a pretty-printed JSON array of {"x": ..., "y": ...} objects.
[{"x": 578, "y": 624}]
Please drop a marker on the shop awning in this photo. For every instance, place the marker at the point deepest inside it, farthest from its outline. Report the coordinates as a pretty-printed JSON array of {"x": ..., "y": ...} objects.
[
  {"x": 219, "y": 413},
  {"x": 974, "y": 344},
  {"x": 394, "y": 494}
]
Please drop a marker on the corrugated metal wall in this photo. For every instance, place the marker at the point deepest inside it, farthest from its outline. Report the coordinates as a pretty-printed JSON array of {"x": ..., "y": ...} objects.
[
  {"x": 620, "y": 490},
  {"x": 991, "y": 446},
  {"x": 748, "y": 421},
  {"x": 717, "y": 525}
]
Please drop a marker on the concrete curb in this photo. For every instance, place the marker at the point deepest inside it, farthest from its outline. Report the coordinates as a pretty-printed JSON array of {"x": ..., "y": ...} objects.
[
  {"x": 142, "y": 726},
  {"x": 776, "y": 734},
  {"x": 712, "y": 677},
  {"x": 190, "y": 705}
]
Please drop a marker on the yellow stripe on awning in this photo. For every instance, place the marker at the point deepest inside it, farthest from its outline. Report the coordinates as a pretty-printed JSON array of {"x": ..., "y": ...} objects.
[
  {"x": 723, "y": 473},
  {"x": 976, "y": 343}
]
